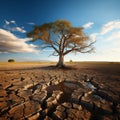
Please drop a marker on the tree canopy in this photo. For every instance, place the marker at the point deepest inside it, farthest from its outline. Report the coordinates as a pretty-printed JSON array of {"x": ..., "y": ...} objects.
[
  {"x": 62, "y": 37},
  {"x": 11, "y": 60}
]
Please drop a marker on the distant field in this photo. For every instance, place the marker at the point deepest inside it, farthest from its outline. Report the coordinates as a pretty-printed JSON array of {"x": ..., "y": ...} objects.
[
  {"x": 24, "y": 65},
  {"x": 103, "y": 66}
]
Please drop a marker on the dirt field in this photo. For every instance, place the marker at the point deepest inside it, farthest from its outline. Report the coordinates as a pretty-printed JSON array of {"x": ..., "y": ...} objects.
[{"x": 39, "y": 91}]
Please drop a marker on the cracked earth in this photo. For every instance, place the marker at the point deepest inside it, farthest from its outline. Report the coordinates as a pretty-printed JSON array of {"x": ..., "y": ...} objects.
[{"x": 83, "y": 92}]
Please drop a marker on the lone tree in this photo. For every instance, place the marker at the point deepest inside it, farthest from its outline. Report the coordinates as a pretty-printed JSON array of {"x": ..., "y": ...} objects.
[
  {"x": 11, "y": 60},
  {"x": 62, "y": 37}
]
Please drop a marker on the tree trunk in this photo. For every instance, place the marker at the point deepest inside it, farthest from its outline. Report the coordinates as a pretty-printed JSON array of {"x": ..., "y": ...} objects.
[{"x": 61, "y": 61}]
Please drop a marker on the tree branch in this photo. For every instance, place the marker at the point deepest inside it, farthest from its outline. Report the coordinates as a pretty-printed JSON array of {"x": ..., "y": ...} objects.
[
  {"x": 54, "y": 54},
  {"x": 81, "y": 48},
  {"x": 54, "y": 48}
]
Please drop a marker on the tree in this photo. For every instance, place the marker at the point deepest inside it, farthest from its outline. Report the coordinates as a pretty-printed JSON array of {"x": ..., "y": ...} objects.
[
  {"x": 11, "y": 60},
  {"x": 62, "y": 37}
]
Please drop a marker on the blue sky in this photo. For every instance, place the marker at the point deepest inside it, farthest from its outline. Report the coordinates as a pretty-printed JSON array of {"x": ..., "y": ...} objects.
[{"x": 100, "y": 19}]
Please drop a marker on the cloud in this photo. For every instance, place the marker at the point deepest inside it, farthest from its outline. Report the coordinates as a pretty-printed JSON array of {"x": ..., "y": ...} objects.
[
  {"x": 7, "y": 22},
  {"x": 110, "y": 26},
  {"x": 114, "y": 36},
  {"x": 20, "y": 30},
  {"x": 12, "y": 27},
  {"x": 109, "y": 31},
  {"x": 107, "y": 46},
  {"x": 10, "y": 43},
  {"x": 31, "y": 23},
  {"x": 88, "y": 25},
  {"x": 93, "y": 36},
  {"x": 12, "y": 21}
]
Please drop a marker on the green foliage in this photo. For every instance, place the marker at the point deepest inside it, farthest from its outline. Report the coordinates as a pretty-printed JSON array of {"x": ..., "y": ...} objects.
[
  {"x": 71, "y": 61},
  {"x": 11, "y": 60}
]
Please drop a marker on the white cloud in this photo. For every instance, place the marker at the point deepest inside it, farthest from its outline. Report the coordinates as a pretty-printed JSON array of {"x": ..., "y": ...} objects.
[
  {"x": 12, "y": 26},
  {"x": 12, "y": 21},
  {"x": 107, "y": 42},
  {"x": 110, "y": 26},
  {"x": 114, "y": 36},
  {"x": 88, "y": 25},
  {"x": 109, "y": 31},
  {"x": 20, "y": 30},
  {"x": 7, "y": 22},
  {"x": 10, "y": 43},
  {"x": 31, "y": 23},
  {"x": 93, "y": 36}
]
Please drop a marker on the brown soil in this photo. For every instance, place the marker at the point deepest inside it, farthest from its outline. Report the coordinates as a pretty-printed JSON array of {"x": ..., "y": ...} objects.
[{"x": 40, "y": 91}]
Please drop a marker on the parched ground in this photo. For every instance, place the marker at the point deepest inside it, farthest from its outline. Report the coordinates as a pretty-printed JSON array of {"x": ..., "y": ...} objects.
[{"x": 39, "y": 91}]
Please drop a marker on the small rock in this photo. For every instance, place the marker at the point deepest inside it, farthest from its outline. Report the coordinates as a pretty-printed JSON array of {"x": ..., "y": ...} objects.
[
  {"x": 22, "y": 79},
  {"x": 60, "y": 108},
  {"x": 50, "y": 99},
  {"x": 75, "y": 98},
  {"x": 60, "y": 115},
  {"x": 76, "y": 106},
  {"x": 34, "y": 117},
  {"x": 44, "y": 86},
  {"x": 40, "y": 97},
  {"x": 27, "y": 86},
  {"x": 57, "y": 94},
  {"x": 51, "y": 102},
  {"x": 17, "y": 112},
  {"x": 67, "y": 105},
  {"x": 31, "y": 108},
  {"x": 55, "y": 82}
]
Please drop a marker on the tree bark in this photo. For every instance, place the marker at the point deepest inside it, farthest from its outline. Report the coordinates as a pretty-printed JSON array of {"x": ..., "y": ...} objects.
[{"x": 61, "y": 61}]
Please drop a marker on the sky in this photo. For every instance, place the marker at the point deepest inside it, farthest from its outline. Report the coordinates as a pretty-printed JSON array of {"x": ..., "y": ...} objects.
[{"x": 99, "y": 18}]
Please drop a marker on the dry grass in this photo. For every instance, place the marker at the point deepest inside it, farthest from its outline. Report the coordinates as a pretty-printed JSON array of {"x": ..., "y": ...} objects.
[{"x": 25, "y": 65}]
